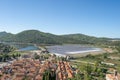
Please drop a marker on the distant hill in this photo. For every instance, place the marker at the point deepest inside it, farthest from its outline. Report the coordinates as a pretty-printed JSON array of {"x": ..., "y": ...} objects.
[
  {"x": 30, "y": 36},
  {"x": 116, "y": 39},
  {"x": 86, "y": 39},
  {"x": 4, "y": 34},
  {"x": 35, "y": 36}
]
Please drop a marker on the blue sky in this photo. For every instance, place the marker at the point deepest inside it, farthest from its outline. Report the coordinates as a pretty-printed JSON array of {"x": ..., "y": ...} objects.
[{"x": 99, "y": 18}]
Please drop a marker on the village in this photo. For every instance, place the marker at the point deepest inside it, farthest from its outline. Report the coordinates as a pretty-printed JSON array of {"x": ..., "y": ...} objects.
[
  {"x": 35, "y": 69},
  {"x": 43, "y": 65},
  {"x": 47, "y": 69}
]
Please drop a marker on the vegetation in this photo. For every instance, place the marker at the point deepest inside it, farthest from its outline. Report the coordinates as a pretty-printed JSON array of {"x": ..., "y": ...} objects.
[
  {"x": 6, "y": 48},
  {"x": 7, "y": 52},
  {"x": 94, "y": 67},
  {"x": 88, "y": 71},
  {"x": 90, "y": 67},
  {"x": 34, "y": 36},
  {"x": 42, "y": 56},
  {"x": 49, "y": 75},
  {"x": 83, "y": 39},
  {"x": 7, "y": 57}
]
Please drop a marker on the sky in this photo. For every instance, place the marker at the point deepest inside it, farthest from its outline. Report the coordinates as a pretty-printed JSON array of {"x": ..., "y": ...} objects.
[{"x": 100, "y": 18}]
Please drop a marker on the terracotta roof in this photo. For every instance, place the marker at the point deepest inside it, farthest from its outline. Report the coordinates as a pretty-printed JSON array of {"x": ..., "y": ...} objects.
[
  {"x": 38, "y": 77},
  {"x": 112, "y": 77}
]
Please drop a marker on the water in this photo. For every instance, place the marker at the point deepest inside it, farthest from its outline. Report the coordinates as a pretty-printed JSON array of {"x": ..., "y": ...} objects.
[
  {"x": 59, "y": 49},
  {"x": 71, "y": 49},
  {"x": 22, "y": 47},
  {"x": 28, "y": 48}
]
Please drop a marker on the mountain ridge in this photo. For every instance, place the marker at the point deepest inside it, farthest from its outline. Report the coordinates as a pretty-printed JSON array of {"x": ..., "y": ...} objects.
[{"x": 36, "y": 36}]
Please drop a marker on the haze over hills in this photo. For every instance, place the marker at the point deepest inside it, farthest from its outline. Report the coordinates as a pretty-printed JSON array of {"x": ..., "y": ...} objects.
[{"x": 35, "y": 36}]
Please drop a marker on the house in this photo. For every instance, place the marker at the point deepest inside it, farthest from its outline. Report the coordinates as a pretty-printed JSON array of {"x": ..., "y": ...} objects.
[{"x": 114, "y": 76}]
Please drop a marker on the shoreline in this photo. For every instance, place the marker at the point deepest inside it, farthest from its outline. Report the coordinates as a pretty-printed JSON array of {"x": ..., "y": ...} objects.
[
  {"x": 86, "y": 51},
  {"x": 67, "y": 52},
  {"x": 81, "y": 53}
]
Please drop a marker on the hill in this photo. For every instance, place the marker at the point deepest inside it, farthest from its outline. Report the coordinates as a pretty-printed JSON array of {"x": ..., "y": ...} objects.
[
  {"x": 30, "y": 36},
  {"x": 35, "y": 36},
  {"x": 2, "y": 34},
  {"x": 86, "y": 39}
]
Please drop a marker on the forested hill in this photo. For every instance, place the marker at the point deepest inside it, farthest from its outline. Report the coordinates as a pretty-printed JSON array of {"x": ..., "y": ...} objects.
[
  {"x": 87, "y": 39},
  {"x": 2, "y": 34},
  {"x": 35, "y": 36}
]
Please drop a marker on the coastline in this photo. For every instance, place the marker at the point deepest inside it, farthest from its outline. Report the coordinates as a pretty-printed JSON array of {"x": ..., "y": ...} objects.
[
  {"x": 81, "y": 53},
  {"x": 86, "y": 51},
  {"x": 66, "y": 50}
]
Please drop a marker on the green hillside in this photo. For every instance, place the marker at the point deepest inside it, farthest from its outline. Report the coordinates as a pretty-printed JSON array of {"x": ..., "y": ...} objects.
[
  {"x": 81, "y": 38},
  {"x": 35, "y": 36},
  {"x": 2, "y": 34}
]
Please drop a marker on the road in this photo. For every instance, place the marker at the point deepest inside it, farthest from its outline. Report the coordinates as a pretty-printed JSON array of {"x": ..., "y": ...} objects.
[{"x": 82, "y": 61}]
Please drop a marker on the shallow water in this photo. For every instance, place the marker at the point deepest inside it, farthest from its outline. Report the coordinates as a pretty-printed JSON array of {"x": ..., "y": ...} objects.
[
  {"x": 22, "y": 47},
  {"x": 71, "y": 49},
  {"x": 27, "y": 48}
]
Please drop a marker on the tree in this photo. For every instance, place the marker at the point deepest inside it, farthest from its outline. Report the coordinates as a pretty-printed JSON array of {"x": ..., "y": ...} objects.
[
  {"x": 96, "y": 65},
  {"x": 105, "y": 55},
  {"x": 36, "y": 56},
  {"x": 13, "y": 55}
]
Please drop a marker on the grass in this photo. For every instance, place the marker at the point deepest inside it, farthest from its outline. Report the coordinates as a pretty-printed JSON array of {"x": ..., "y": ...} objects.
[{"x": 100, "y": 57}]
